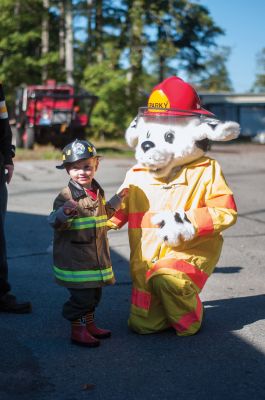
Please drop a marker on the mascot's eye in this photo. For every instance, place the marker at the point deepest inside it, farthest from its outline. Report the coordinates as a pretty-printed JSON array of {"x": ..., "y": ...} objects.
[{"x": 169, "y": 137}]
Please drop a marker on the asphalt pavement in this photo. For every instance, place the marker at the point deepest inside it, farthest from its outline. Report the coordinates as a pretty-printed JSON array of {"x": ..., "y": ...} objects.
[{"x": 225, "y": 360}]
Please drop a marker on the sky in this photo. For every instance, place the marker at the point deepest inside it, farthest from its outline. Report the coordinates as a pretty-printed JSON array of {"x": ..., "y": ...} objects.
[{"x": 244, "y": 24}]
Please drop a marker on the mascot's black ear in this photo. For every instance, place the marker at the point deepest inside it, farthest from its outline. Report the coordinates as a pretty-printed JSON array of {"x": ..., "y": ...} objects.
[
  {"x": 131, "y": 134},
  {"x": 216, "y": 130},
  {"x": 204, "y": 144}
]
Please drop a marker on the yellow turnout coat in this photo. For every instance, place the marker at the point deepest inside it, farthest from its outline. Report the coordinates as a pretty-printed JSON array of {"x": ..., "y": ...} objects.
[{"x": 201, "y": 190}]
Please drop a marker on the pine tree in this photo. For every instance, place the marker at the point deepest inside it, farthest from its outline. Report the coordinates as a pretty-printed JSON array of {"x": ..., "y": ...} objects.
[
  {"x": 259, "y": 84},
  {"x": 214, "y": 77}
]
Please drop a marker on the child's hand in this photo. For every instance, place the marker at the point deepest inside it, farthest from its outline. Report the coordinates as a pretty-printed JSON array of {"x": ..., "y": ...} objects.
[
  {"x": 69, "y": 207},
  {"x": 123, "y": 193}
]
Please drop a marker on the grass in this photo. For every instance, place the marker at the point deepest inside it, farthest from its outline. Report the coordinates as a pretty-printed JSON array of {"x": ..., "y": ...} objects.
[
  {"x": 111, "y": 149},
  {"x": 38, "y": 153}
]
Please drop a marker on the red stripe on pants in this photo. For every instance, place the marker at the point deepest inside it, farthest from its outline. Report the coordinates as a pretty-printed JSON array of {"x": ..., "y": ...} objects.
[
  {"x": 188, "y": 319},
  {"x": 141, "y": 299},
  {"x": 196, "y": 275}
]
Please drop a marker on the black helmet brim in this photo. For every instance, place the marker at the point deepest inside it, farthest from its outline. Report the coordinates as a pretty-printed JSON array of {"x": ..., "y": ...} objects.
[
  {"x": 60, "y": 166},
  {"x": 63, "y": 166}
]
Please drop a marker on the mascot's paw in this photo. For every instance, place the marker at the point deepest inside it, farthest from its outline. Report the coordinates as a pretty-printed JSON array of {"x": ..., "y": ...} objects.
[{"x": 174, "y": 227}]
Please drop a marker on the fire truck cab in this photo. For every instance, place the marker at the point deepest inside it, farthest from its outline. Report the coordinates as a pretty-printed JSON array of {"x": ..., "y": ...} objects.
[{"x": 55, "y": 113}]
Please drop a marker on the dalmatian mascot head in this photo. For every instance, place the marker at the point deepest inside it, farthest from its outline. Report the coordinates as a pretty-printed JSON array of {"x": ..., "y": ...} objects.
[
  {"x": 171, "y": 132},
  {"x": 174, "y": 129}
]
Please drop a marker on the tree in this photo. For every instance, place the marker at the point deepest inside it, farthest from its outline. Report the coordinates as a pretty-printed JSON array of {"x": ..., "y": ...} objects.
[
  {"x": 28, "y": 43},
  {"x": 183, "y": 32},
  {"x": 214, "y": 77},
  {"x": 259, "y": 84},
  {"x": 20, "y": 42},
  {"x": 45, "y": 36},
  {"x": 69, "y": 50},
  {"x": 136, "y": 44},
  {"x": 111, "y": 114},
  {"x": 62, "y": 33}
]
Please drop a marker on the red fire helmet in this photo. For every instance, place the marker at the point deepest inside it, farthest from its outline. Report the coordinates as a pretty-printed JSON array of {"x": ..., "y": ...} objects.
[{"x": 174, "y": 98}]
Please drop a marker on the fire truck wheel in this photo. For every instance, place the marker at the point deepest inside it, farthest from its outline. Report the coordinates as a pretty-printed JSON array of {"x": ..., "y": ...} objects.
[{"x": 29, "y": 138}]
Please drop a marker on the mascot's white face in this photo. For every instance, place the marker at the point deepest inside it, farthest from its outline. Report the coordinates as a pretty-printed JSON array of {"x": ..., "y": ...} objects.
[{"x": 163, "y": 145}]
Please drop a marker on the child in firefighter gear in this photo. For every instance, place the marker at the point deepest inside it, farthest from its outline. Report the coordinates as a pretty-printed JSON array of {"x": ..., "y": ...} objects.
[
  {"x": 177, "y": 206},
  {"x": 80, "y": 248},
  {"x": 8, "y": 302}
]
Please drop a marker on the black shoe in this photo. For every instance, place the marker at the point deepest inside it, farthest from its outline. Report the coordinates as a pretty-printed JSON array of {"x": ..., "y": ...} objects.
[{"x": 8, "y": 303}]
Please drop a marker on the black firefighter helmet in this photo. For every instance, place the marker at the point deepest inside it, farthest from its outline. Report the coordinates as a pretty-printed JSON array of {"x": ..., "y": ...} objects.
[{"x": 77, "y": 150}]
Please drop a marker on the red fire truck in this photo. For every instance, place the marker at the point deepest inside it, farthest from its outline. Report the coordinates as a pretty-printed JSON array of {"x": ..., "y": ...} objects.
[{"x": 55, "y": 113}]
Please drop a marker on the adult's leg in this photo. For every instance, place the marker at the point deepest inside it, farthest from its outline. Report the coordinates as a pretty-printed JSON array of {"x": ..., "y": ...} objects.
[
  {"x": 4, "y": 285},
  {"x": 8, "y": 302},
  {"x": 181, "y": 303},
  {"x": 145, "y": 320}
]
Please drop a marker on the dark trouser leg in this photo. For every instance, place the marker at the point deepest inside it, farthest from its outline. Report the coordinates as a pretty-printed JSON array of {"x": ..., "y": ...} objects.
[
  {"x": 4, "y": 285},
  {"x": 81, "y": 302}
]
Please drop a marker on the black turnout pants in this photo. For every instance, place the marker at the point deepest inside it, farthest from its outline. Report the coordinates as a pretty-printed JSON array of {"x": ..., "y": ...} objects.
[
  {"x": 81, "y": 302},
  {"x": 4, "y": 285}
]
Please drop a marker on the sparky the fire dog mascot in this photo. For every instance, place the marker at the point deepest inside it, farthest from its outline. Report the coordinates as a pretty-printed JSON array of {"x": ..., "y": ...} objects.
[{"x": 177, "y": 207}]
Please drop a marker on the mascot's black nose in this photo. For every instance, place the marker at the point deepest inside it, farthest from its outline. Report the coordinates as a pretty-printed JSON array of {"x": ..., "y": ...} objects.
[{"x": 147, "y": 145}]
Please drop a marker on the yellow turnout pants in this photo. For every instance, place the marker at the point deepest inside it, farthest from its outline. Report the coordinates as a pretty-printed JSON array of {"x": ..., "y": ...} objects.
[{"x": 173, "y": 303}]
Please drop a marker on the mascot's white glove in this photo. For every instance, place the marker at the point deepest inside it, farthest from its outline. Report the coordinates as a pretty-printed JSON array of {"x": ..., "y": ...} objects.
[{"x": 174, "y": 227}]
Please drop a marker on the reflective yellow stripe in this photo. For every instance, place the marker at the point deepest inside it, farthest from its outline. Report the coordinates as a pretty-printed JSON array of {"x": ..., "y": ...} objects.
[
  {"x": 3, "y": 110},
  {"x": 83, "y": 275},
  {"x": 89, "y": 222}
]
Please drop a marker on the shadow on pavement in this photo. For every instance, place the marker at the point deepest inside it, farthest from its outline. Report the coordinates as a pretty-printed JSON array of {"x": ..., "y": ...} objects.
[
  {"x": 224, "y": 360},
  {"x": 227, "y": 270}
]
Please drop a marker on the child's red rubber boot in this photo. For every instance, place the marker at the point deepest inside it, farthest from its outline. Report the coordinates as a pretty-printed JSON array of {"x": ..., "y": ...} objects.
[
  {"x": 80, "y": 334},
  {"x": 94, "y": 330}
]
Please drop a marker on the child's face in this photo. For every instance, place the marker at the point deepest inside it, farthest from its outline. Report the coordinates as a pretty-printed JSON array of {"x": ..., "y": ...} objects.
[{"x": 83, "y": 171}]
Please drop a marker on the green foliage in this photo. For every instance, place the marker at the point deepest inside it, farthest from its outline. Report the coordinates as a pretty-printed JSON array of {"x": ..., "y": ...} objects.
[
  {"x": 20, "y": 45},
  {"x": 111, "y": 115},
  {"x": 214, "y": 78},
  {"x": 259, "y": 84},
  {"x": 118, "y": 99},
  {"x": 184, "y": 31}
]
